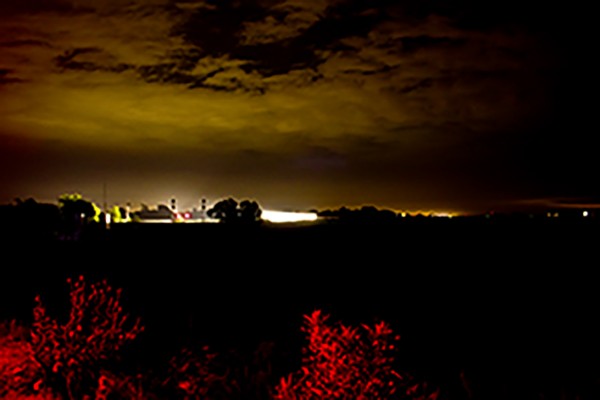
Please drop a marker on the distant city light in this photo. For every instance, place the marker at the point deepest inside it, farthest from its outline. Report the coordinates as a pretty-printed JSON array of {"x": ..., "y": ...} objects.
[
  {"x": 283, "y": 216},
  {"x": 442, "y": 214},
  {"x": 585, "y": 214}
]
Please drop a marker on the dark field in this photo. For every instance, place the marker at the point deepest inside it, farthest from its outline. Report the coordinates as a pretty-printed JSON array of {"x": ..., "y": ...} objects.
[{"x": 513, "y": 306}]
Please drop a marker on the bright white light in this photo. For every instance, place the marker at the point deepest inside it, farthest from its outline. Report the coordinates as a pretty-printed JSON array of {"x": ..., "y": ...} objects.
[
  {"x": 442, "y": 214},
  {"x": 585, "y": 214},
  {"x": 283, "y": 216}
]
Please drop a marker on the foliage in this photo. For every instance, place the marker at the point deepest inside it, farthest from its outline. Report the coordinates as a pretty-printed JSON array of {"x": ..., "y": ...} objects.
[
  {"x": 369, "y": 215},
  {"x": 250, "y": 211},
  {"x": 115, "y": 214},
  {"x": 74, "y": 359},
  {"x": 229, "y": 211},
  {"x": 19, "y": 372},
  {"x": 116, "y": 386},
  {"x": 250, "y": 376},
  {"x": 203, "y": 374},
  {"x": 33, "y": 218},
  {"x": 118, "y": 215},
  {"x": 192, "y": 375},
  {"x": 74, "y": 208},
  {"x": 343, "y": 362},
  {"x": 72, "y": 354}
]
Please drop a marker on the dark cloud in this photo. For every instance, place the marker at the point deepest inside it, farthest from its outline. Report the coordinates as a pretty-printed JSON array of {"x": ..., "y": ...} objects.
[
  {"x": 185, "y": 60},
  {"x": 178, "y": 71},
  {"x": 421, "y": 84},
  {"x": 165, "y": 73},
  {"x": 411, "y": 44},
  {"x": 430, "y": 102},
  {"x": 25, "y": 43},
  {"x": 320, "y": 159},
  {"x": 220, "y": 31},
  {"x": 71, "y": 60},
  {"x": 533, "y": 16},
  {"x": 233, "y": 31},
  {"x": 507, "y": 14},
  {"x": 35, "y": 6},
  {"x": 67, "y": 59},
  {"x": 6, "y": 78}
]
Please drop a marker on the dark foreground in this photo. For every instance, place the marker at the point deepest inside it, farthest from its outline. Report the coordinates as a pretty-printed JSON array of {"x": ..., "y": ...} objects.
[{"x": 510, "y": 307}]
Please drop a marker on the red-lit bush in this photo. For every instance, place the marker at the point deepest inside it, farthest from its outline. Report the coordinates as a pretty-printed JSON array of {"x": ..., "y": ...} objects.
[
  {"x": 342, "y": 362},
  {"x": 231, "y": 375},
  {"x": 19, "y": 373},
  {"x": 73, "y": 354},
  {"x": 74, "y": 359},
  {"x": 192, "y": 375},
  {"x": 115, "y": 386}
]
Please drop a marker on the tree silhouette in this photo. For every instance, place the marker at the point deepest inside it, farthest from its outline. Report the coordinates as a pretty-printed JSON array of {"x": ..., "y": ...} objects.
[
  {"x": 33, "y": 219},
  {"x": 250, "y": 211},
  {"x": 78, "y": 216},
  {"x": 229, "y": 211},
  {"x": 74, "y": 208},
  {"x": 224, "y": 210}
]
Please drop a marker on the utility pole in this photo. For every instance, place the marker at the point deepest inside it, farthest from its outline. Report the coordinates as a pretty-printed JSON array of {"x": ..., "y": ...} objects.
[
  {"x": 107, "y": 220},
  {"x": 104, "y": 196}
]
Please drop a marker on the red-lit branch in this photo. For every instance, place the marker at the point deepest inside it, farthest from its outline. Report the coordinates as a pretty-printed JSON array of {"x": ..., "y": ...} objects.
[
  {"x": 72, "y": 353},
  {"x": 342, "y": 362}
]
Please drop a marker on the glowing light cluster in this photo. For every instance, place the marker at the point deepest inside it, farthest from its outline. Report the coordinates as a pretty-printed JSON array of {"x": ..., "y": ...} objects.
[
  {"x": 284, "y": 216},
  {"x": 443, "y": 214}
]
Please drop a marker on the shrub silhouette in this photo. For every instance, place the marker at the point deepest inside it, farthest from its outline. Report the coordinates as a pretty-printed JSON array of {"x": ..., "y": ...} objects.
[
  {"x": 73, "y": 354},
  {"x": 343, "y": 362}
]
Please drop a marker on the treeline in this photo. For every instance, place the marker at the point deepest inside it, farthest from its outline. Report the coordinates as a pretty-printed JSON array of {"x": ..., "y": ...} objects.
[
  {"x": 74, "y": 218},
  {"x": 71, "y": 219},
  {"x": 368, "y": 214}
]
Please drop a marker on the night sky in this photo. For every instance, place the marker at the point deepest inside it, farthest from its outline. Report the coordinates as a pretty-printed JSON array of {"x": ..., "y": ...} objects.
[{"x": 447, "y": 105}]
